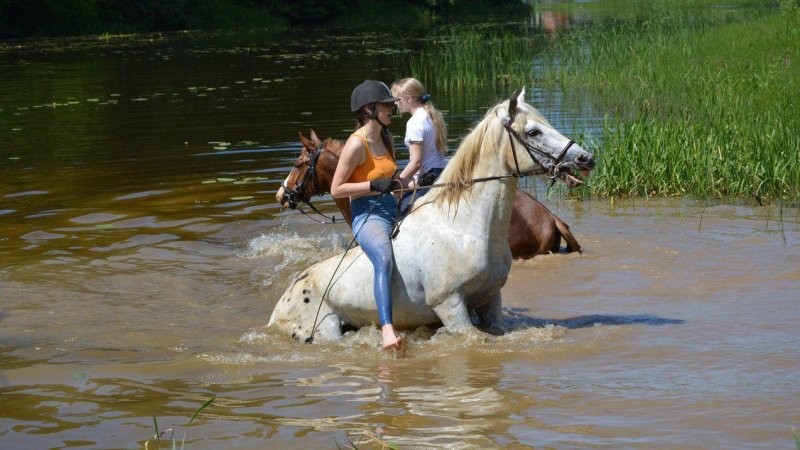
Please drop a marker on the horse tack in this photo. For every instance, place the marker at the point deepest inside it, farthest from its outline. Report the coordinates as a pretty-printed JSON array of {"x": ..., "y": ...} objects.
[
  {"x": 513, "y": 135},
  {"x": 295, "y": 197},
  {"x": 294, "y": 194}
]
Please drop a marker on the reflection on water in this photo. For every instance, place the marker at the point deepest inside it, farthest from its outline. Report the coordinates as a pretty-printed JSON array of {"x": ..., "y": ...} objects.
[
  {"x": 142, "y": 252},
  {"x": 648, "y": 339}
]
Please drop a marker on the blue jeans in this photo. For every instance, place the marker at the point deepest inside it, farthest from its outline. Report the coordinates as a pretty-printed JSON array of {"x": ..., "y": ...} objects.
[{"x": 373, "y": 219}]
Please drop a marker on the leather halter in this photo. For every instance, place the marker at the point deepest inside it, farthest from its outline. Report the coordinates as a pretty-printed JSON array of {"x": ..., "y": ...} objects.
[
  {"x": 295, "y": 198},
  {"x": 533, "y": 151}
]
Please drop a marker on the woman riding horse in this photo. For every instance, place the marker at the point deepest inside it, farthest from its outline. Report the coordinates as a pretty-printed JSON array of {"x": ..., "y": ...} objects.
[
  {"x": 461, "y": 230},
  {"x": 534, "y": 230}
]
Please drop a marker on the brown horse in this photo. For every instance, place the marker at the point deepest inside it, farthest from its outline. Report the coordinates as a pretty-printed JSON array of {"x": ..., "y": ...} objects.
[{"x": 534, "y": 230}]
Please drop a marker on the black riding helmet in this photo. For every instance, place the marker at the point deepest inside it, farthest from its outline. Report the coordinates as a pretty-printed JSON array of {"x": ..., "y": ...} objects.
[{"x": 370, "y": 91}]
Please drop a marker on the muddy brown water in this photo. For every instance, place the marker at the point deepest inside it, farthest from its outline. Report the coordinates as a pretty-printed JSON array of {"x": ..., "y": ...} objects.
[{"x": 142, "y": 253}]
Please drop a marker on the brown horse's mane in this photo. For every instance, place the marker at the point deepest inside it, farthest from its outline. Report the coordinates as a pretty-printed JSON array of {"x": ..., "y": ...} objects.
[{"x": 333, "y": 145}]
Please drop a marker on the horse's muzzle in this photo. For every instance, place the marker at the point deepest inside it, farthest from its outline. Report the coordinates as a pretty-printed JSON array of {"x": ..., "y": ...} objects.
[{"x": 564, "y": 171}]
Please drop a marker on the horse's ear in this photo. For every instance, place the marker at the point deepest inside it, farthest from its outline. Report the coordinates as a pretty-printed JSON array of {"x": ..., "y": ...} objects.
[
  {"x": 521, "y": 96},
  {"x": 315, "y": 139},
  {"x": 307, "y": 143},
  {"x": 512, "y": 108}
]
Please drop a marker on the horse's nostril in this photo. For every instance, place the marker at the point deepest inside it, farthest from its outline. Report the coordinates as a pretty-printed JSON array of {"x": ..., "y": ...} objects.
[{"x": 585, "y": 159}]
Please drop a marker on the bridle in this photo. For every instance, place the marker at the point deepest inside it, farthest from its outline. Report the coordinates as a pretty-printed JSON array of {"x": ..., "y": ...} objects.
[
  {"x": 532, "y": 150},
  {"x": 295, "y": 198}
]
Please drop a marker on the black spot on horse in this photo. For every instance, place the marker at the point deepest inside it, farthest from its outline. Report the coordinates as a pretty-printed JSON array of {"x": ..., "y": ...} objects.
[{"x": 306, "y": 300}]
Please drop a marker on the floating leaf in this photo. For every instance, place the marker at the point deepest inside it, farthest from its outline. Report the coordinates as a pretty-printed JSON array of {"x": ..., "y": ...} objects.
[
  {"x": 226, "y": 180},
  {"x": 219, "y": 147},
  {"x": 244, "y": 197},
  {"x": 13, "y": 157},
  {"x": 104, "y": 226},
  {"x": 209, "y": 181}
]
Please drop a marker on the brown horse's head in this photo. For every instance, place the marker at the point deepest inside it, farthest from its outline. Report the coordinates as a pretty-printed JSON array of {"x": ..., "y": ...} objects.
[
  {"x": 298, "y": 185},
  {"x": 312, "y": 172}
]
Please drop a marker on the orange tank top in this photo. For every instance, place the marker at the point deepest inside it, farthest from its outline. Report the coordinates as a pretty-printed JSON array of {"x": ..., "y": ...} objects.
[{"x": 373, "y": 167}]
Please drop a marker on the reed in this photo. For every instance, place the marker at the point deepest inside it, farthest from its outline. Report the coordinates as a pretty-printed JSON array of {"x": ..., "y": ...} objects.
[
  {"x": 465, "y": 58},
  {"x": 700, "y": 103},
  {"x": 160, "y": 436},
  {"x": 796, "y": 439}
]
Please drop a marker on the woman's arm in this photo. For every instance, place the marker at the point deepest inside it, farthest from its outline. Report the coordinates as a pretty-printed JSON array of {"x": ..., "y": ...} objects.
[
  {"x": 414, "y": 163},
  {"x": 353, "y": 154}
]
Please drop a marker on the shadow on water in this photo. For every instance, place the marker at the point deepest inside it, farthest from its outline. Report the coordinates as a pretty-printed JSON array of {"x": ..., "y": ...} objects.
[{"x": 515, "y": 318}]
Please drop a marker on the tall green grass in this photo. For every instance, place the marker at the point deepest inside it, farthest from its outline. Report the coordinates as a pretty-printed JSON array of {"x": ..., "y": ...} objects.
[
  {"x": 465, "y": 58},
  {"x": 700, "y": 103}
]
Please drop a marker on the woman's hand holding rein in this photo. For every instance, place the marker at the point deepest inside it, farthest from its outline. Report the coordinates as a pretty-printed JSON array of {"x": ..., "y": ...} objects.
[{"x": 384, "y": 185}]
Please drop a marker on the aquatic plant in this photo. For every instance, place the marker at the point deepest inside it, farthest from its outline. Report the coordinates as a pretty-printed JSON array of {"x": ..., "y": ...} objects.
[
  {"x": 372, "y": 438},
  {"x": 159, "y": 436},
  {"x": 464, "y": 58},
  {"x": 700, "y": 103}
]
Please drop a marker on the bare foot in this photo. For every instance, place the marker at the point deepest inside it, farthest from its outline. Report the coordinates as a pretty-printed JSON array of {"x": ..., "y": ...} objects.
[{"x": 390, "y": 339}]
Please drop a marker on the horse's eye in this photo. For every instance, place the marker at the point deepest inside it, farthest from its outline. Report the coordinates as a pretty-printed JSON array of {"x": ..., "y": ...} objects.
[{"x": 534, "y": 132}]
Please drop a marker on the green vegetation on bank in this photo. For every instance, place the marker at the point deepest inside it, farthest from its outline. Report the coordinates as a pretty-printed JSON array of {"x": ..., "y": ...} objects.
[
  {"x": 700, "y": 104},
  {"x": 23, "y": 18},
  {"x": 470, "y": 57}
]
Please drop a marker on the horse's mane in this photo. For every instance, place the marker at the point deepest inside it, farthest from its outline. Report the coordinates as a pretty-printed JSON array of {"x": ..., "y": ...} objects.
[
  {"x": 486, "y": 138},
  {"x": 333, "y": 145}
]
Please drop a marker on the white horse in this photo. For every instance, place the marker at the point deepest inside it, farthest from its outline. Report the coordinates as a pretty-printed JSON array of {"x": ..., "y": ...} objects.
[{"x": 452, "y": 254}]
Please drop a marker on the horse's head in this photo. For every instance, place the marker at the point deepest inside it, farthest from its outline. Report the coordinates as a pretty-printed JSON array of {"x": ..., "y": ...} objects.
[
  {"x": 537, "y": 147},
  {"x": 297, "y": 186}
]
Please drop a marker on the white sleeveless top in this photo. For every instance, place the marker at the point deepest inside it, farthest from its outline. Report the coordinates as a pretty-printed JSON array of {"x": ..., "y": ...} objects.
[{"x": 419, "y": 128}]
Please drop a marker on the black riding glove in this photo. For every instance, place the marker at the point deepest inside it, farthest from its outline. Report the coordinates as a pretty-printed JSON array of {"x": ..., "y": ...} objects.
[{"x": 384, "y": 185}]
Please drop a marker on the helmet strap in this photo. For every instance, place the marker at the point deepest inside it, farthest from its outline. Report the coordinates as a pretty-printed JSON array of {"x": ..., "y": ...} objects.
[{"x": 373, "y": 114}]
